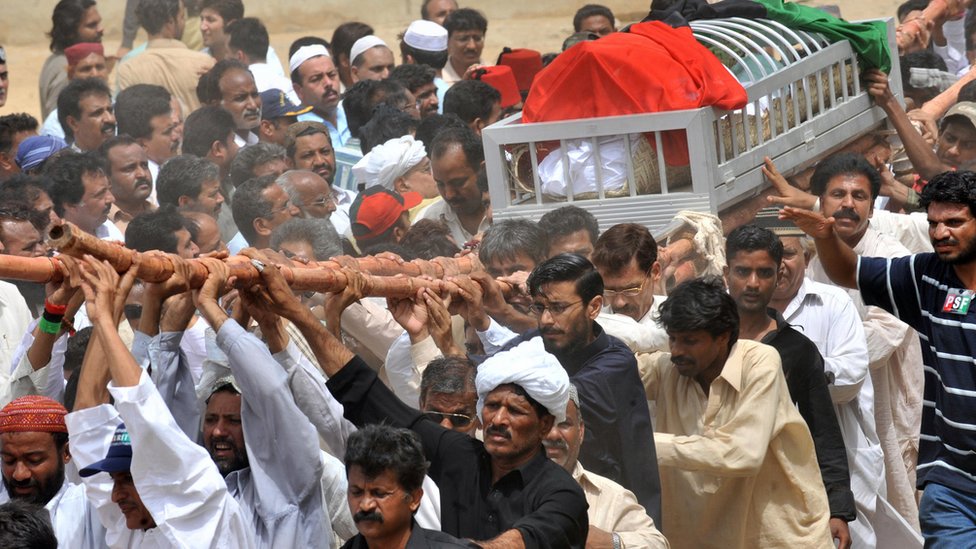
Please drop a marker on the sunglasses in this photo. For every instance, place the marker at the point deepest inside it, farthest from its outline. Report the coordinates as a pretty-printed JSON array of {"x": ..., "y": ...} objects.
[{"x": 457, "y": 420}]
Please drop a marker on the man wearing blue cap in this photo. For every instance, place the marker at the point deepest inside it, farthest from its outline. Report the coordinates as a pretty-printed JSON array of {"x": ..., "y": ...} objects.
[
  {"x": 165, "y": 489},
  {"x": 278, "y": 111}
]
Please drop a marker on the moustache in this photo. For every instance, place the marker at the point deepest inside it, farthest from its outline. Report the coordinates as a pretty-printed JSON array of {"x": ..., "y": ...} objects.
[
  {"x": 498, "y": 430},
  {"x": 143, "y": 182},
  {"x": 551, "y": 331},
  {"x": 847, "y": 213},
  {"x": 374, "y": 516},
  {"x": 107, "y": 127},
  {"x": 946, "y": 242},
  {"x": 681, "y": 361},
  {"x": 255, "y": 113},
  {"x": 555, "y": 444}
]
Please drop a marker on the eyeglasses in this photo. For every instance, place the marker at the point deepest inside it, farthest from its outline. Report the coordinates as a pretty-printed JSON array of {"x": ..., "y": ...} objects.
[
  {"x": 629, "y": 292},
  {"x": 555, "y": 309},
  {"x": 284, "y": 207},
  {"x": 457, "y": 420},
  {"x": 322, "y": 202}
]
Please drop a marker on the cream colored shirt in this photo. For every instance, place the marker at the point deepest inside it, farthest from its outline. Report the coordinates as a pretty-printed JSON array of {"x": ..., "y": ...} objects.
[
  {"x": 614, "y": 508},
  {"x": 738, "y": 466},
  {"x": 441, "y": 211},
  {"x": 170, "y": 64}
]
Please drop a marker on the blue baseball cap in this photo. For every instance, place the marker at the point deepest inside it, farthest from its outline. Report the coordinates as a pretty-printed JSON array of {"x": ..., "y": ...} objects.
[
  {"x": 275, "y": 104},
  {"x": 119, "y": 458}
]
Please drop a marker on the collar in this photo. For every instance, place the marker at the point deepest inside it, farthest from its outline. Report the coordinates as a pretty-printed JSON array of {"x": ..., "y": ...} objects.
[
  {"x": 117, "y": 214},
  {"x": 528, "y": 470},
  {"x": 781, "y": 324},
  {"x": 581, "y": 476},
  {"x": 732, "y": 371},
  {"x": 577, "y": 360}
]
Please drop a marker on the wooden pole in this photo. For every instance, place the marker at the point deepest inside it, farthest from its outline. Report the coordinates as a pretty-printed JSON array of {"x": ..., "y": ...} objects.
[{"x": 325, "y": 276}]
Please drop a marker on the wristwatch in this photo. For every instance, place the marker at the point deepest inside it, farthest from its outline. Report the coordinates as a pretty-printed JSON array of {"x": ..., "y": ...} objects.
[{"x": 615, "y": 539}]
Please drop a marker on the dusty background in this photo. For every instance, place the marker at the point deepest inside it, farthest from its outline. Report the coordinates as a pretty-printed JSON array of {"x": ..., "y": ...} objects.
[{"x": 540, "y": 24}]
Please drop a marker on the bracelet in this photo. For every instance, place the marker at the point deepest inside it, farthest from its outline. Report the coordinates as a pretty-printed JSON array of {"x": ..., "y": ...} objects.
[
  {"x": 48, "y": 327},
  {"x": 816, "y": 205},
  {"x": 615, "y": 539},
  {"x": 50, "y": 317},
  {"x": 55, "y": 309}
]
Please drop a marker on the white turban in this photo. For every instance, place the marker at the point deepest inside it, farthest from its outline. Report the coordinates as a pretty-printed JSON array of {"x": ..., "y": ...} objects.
[
  {"x": 533, "y": 369},
  {"x": 389, "y": 161}
]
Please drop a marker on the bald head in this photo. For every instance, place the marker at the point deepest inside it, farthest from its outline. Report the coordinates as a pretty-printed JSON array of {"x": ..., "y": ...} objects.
[{"x": 309, "y": 192}]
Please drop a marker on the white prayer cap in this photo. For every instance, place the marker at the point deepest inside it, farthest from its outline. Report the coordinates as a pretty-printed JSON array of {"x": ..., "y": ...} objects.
[
  {"x": 533, "y": 369},
  {"x": 364, "y": 44},
  {"x": 389, "y": 161},
  {"x": 426, "y": 35},
  {"x": 305, "y": 53}
]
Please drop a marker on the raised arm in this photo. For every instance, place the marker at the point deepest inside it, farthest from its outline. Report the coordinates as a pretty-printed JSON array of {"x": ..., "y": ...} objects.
[
  {"x": 927, "y": 165},
  {"x": 838, "y": 259}
]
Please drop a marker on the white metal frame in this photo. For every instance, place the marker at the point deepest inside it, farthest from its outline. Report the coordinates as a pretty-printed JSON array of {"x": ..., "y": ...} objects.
[{"x": 765, "y": 59}]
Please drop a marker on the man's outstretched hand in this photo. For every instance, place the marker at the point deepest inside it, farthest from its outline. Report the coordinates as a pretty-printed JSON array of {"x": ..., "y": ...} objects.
[{"x": 812, "y": 223}]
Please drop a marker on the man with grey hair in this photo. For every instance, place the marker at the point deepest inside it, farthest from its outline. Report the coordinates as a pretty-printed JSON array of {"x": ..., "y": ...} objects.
[
  {"x": 308, "y": 192},
  {"x": 257, "y": 160},
  {"x": 448, "y": 395},
  {"x": 617, "y": 519},
  {"x": 307, "y": 240},
  {"x": 191, "y": 184},
  {"x": 513, "y": 245}
]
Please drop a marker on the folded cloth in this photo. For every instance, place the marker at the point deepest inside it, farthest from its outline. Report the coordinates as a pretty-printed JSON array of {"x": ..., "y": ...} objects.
[
  {"x": 529, "y": 366},
  {"x": 390, "y": 161}
]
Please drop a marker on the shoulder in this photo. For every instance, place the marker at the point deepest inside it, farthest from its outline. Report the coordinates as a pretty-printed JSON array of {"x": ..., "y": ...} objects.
[
  {"x": 435, "y": 539},
  {"x": 754, "y": 357}
]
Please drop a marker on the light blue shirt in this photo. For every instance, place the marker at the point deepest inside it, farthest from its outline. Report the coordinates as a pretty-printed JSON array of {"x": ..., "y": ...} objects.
[{"x": 339, "y": 133}]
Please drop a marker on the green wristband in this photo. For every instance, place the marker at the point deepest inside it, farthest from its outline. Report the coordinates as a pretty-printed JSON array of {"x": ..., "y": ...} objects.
[{"x": 48, "y": 327}]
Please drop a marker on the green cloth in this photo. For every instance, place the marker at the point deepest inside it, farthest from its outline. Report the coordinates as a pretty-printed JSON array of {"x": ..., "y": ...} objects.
[{"x": 869, "y": 40}]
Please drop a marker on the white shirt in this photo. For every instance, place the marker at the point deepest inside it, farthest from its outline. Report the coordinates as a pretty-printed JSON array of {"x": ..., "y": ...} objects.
[
  {"x": 176, "y": 479},
  {"x": 267, "y": 78},
  {"x": 442, "y": 211},
  {"x": 154, "y": 173},
  {"x": 74, "y": 519},
  {"x": 340, "y": 217},
  {"x": 109, "y": 231},
  {"x": 15, "y": 318},
  {"x": 52, "y": 126},
  {"x": 252, "y": 139},
  {"x": 828, "y": 317}
]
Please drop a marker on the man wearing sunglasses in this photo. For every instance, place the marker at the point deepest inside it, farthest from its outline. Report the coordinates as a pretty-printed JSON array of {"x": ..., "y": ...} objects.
[{"x": 448, "y": 395}]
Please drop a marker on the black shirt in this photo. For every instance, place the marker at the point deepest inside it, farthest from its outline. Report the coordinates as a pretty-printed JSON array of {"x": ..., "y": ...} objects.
[
  {"x": 619, "y": 441},
  {"x": 804, "y": 370},
  {"x": 540, "y": 499},
  {"x": 420, "y": 538}
]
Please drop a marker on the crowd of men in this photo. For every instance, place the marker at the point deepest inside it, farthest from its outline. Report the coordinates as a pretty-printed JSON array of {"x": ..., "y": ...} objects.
[{"x": 816, "y": 395}]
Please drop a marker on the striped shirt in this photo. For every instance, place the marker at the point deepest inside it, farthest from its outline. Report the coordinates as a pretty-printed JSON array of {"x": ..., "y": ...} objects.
[{"x": 915, "y": 288}]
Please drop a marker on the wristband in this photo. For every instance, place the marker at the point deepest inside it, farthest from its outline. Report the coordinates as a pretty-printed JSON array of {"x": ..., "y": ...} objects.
[
  {"x": 58, "y": 310},
  {"x": 48, "y": 327},
  {"x": 52, "y": 318}
]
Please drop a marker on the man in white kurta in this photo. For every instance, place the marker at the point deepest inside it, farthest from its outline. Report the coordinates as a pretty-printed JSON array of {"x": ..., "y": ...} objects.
[{"x": 896, "y": 372}]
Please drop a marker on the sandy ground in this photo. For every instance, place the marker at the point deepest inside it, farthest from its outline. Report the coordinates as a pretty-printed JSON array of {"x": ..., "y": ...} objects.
[{"x": 540, "y": 33}]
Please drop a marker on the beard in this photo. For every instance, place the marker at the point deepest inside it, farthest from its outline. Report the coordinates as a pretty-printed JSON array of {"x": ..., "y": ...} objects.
[
  {"x": 226, "y": 465},
  {"x": 966, "y": 254},
  {"x": 45, "y": 491}
]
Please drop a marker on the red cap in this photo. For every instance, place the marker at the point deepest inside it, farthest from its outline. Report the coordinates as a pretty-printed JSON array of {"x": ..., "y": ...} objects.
[
  {"x": 377, "y": 208},
  {"x": 82, "y": 50},
  {"x": 525, "y": 63},
  {"x": 33, "y": 414},
  {"x": 501, "y": 78}
]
